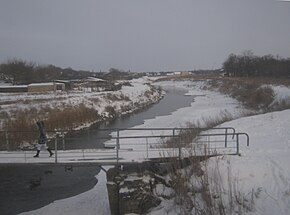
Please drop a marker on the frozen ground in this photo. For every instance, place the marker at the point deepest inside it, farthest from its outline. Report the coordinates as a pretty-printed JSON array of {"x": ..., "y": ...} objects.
[{"x": 263, "y": 166}]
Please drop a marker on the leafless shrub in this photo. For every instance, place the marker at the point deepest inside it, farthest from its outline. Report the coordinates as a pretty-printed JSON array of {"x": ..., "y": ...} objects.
[
  {"x": 111, "y": 111},
  {"x": 125, "y": 108},
  {"x": 184, "y": 137},
  {"x": 148, "y": 93},
  {"x": 262, "y": 98},
  {"x": 210, "y": 122},
  {"x": 4, "y": 114},
  {"x": 71, "y": 117},
  {"x": 201, "y": 188},
  {"x": 16, "y": 133},
  {"x": 249, "y": 92},
  {"x": 115, "y": 97},
  {"x": 54, "y": 119},
  {"x": 95, "y": 100}
]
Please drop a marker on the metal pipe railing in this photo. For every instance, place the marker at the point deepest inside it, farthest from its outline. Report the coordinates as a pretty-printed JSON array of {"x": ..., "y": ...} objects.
[{"x": 175, "y": 134}]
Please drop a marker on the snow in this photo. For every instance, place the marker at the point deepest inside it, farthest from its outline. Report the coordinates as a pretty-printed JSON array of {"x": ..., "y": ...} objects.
[
  {"x": 42, "y": 84},
  {"x": 281, "y": 95},
  {"x": 162, "y": 190},
  {"x": 95, "y": 79},
  {"x": 264, "y": 166}
]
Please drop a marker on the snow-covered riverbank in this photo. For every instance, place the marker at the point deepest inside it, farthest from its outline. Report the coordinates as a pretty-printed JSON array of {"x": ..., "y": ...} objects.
[
  {"x": 134, "y": 95},
  {"x": 72, "y": 110}
]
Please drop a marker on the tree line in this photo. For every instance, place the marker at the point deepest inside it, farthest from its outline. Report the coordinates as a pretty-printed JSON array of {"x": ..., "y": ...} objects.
[
  {"x": 249, "y": 65},
  {"x": 19, "y": 71}
]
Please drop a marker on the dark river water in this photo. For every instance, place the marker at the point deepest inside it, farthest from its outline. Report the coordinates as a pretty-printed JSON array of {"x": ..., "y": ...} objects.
[
  {"x": 25, "y": 188},
  {"x": 88, "y": 138}
]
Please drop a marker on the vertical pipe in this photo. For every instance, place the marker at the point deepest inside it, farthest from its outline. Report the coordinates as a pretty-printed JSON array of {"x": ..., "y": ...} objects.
[
  {"x": 55, "y": 150},
  {"x": 179, "y": 144},
  {"x": 226, "y": 138},
  {"x": 208, "y": 147},
  {"x": 118, "y": 199},
  {"x": 179, "y": 148},
  {"x": 238, "y": 144}
]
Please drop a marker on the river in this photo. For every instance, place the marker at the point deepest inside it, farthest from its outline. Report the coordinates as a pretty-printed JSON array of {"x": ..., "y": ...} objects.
[{"x": 88, "y": 138}]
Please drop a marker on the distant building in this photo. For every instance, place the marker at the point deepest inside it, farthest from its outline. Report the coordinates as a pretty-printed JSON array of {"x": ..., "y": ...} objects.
[
  {"x": 185, "y": 73},
  {"x": 96, "y": 84},
  {"x": 14, "y": 89},
  {"x": 36, "y": 87},
  {"x": 46, "y": 87},
  {"x": 169, "y": 73},
  {"x": 69, "y": 85}
]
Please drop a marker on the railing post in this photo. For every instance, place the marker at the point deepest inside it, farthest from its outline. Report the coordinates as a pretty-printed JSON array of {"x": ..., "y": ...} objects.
[
  {"x": 63, "y": 141},
  {"x": 179, "y": 143},
  {"x": 238, "y": 144},
  {"x": 208, "y": 146},
  {"x": 7, "y": 140},
  {"x": 179, "y": 148},
  {"x": 55, "y": 150},
  {"x": 226, "y": 138},
  {"x": 117, "y": 145},
  {"x": 147, "y": 147}
]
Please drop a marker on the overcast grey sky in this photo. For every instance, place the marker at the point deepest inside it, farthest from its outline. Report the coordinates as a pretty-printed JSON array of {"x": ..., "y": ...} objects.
[{"x": 141, "y": 35}]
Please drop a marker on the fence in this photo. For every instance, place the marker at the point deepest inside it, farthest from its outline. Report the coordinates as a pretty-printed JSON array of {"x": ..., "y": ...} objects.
[{"x": 124, "y": 145}]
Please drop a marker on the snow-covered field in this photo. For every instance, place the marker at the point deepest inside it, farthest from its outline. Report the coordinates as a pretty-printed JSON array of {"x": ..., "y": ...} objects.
[{"x": 263, "y": 167}]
